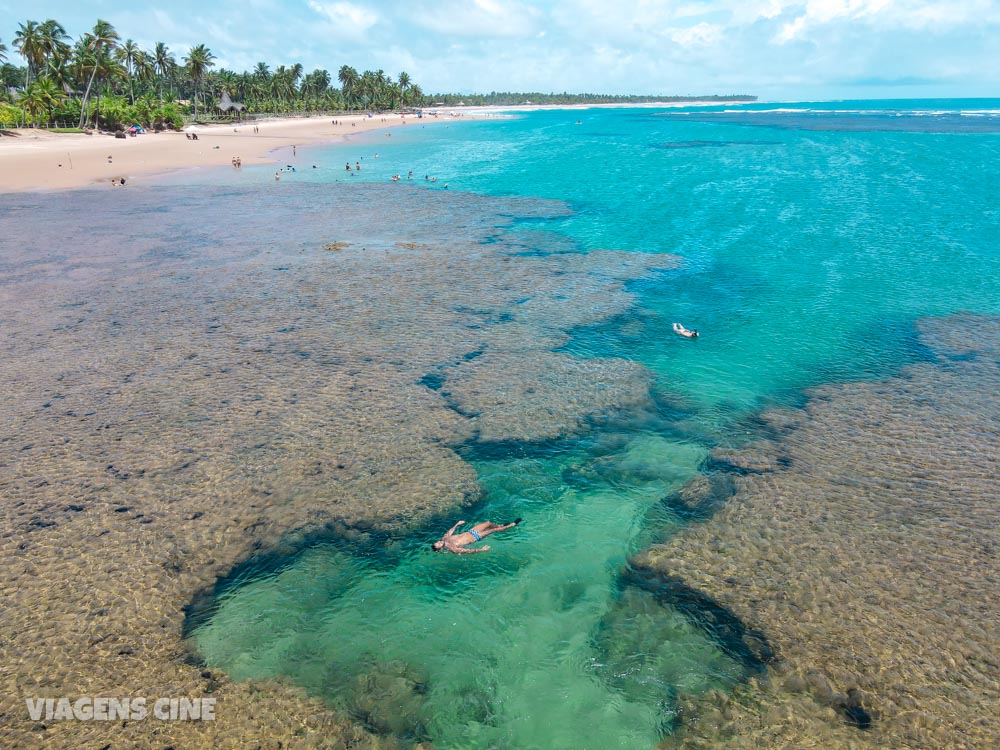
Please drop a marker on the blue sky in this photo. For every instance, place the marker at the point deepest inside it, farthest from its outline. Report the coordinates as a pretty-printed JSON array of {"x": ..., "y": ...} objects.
[{"x": 791, "y": 49}]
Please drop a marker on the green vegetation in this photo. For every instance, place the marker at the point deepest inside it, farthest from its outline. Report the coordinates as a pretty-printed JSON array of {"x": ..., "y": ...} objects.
[{"x": 100, "y": 81}]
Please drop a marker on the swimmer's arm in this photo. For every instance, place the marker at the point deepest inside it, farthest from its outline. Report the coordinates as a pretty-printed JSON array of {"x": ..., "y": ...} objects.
[
  {"x": 464, "y": 551},
  {"x": 451, "y": 531}
]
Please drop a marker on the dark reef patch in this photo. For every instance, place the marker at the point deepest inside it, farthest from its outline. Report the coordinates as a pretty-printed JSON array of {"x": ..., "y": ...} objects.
[{"x": 746, "y": 645}]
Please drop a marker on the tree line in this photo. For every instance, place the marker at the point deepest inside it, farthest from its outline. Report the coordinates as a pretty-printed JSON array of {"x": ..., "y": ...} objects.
[{"x": 102, "y": 81}]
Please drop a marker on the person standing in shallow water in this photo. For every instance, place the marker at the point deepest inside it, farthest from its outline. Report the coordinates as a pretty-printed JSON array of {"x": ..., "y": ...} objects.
[{"x": 452, "y": 542}]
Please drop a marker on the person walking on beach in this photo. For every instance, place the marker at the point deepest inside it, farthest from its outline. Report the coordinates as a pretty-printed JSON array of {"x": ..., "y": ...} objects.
[{"x": 457, "y": 543}]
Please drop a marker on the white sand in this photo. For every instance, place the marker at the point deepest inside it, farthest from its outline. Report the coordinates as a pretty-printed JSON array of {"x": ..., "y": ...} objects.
[{"x": 38, "y": 160}]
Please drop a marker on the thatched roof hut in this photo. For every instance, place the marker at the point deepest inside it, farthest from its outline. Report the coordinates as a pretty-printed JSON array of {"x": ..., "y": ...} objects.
[{"x": 228, "y": 105}]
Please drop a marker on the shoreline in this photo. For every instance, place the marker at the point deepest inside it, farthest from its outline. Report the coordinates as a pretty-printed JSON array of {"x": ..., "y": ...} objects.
[{"x": 39, "y": 161}]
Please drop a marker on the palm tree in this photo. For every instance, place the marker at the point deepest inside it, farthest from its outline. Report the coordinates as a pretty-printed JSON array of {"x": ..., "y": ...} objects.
[
  {"x": 3, "y": 49},
  {"x": 377, "y": 89},
  {"x": 416, "y": 94},
  {"x": 30, "y": 43},
  {"x": 349, "y": 81},
  {"x": 41, "y": 97},
  {"x": 163, "y": 63},
  {"x": 128, "y": 54},
  {"x": 404, "y": 83},
  {"x": 107, "y": 70},
  {"x": 276, "y": 85},
  {"x": 59, "y": 72},
  {"x": 316, "y": 83},
  {"x": 198, "y": 61},
  {"x": 382, "y": 89},
  {"x": 144, "y": 69},
  {"x": 227, "y": 81},
  {"x": 102, "y": 38},
  {"x": 54, "y": 36},
  {"x": 244, "y": 86}
]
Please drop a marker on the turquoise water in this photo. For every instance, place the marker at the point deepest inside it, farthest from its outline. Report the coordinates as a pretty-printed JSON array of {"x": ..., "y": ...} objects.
[{"x": 810, "y": 248}]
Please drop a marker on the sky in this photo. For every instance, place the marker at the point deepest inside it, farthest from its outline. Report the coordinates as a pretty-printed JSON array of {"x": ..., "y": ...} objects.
[{"x": 776, "y": 49}]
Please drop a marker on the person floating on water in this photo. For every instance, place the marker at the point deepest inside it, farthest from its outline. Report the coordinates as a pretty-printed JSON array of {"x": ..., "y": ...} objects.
[
  {"x": 457, "y": 543},
  {"x": 678, "y": 328}
]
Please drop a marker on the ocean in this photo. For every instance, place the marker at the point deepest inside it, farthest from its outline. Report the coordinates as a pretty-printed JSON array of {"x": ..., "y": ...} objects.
[{"x": 501, "y": 322}]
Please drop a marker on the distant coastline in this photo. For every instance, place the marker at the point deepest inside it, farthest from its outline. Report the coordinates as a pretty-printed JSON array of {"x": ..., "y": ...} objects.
[{"x": 508, "y": 98}]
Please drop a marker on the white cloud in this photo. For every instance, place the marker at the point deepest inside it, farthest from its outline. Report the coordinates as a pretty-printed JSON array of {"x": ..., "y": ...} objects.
[
  {"x": 347, "y": 17},
  {"x": 478, "y": 18},
  {"x": 774, "y": 48},
  {"x": 701, "y": 35},
  {"x": 887, "y": 14},
  {"x": 756, "y": 10},
  {"x": 820, "y": 12}
]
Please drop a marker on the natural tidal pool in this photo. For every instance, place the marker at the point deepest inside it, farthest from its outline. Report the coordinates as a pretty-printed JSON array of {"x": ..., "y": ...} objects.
[{"x": 542, "y": 642}]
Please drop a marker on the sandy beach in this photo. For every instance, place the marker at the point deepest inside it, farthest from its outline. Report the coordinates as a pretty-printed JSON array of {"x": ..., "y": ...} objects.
[
  {"x": 39, "y": 160},
  {"x": 33, "y": 159}
]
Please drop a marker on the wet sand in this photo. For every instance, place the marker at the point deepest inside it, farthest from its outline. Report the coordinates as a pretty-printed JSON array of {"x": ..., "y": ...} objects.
[
  {"x": 195, "y": 380},
  {"x": 861, "y": 541}
]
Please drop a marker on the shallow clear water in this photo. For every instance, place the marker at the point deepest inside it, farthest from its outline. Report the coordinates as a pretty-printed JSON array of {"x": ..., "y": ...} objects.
[{"x": 808, "y": 255}]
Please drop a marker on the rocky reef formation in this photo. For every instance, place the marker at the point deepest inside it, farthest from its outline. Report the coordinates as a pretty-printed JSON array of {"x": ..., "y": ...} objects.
[
  {"x": 861, "y": 540},
  {"x": 191, "y": 379}
]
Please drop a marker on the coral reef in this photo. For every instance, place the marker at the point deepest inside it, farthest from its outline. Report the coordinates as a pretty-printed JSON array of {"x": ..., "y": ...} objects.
[{"x": 867, "y": 556}]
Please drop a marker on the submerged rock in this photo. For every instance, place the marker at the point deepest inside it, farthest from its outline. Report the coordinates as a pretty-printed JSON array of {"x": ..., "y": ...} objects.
[
  {"x": 763, "y": 456},
  {"x": 389, "y": 698},
  {"x": 540, "y": 395},
  {"x": 641, "y": 459}
]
